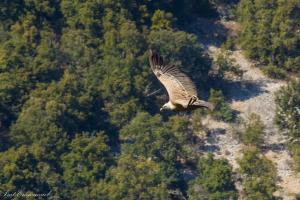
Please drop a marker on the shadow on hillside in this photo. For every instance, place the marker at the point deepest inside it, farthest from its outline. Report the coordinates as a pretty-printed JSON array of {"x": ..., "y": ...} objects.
[
  {"x": 210, "y": 148},
  {"x": 211, "y": 144},
  {"x": 209, "y": 31},
  {"x": 238, "y": 90},
  {"x": 277, "y": 147},
  {"x": 243, "y": 90}
]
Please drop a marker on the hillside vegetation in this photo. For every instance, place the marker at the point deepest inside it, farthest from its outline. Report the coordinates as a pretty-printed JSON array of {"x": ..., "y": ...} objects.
[
  {"x": 76, "y": 117},
  {"x": 271, "y": 34}
]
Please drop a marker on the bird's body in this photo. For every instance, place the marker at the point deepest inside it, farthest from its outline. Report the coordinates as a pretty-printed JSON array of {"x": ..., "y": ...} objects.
[
  {"x": 181, "y": 89},
  {"x": 180, "y": 107}
]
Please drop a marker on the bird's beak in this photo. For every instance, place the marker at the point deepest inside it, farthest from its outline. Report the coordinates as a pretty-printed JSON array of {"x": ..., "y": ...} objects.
[{"x": 161, "y": 109}]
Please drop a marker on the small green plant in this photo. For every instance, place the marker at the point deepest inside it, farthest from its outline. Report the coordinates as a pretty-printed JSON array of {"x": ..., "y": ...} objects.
[
  {"x": 253, "y": 131},
  {"x": 162, "y": 20},
  {"x": 226, "y": 66},
  {"x": 295, "y": 148},
  {"x": 229, "y": 44},
  {"x": 222, "y": 110},
  {"x": 274, "y": 72}
]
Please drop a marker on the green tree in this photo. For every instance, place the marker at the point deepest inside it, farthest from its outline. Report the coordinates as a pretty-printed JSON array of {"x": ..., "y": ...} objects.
[
  {"x": 259, "y": 175},
  {"x": 150, "y": 137},
  {"x": 295, "y": 149},
  {"x": 269, "y": 34},
  {"x": 57, "y": 112},
  {"x": 135, "y": 177},
  {"x": 29, "y": 52},
  {"x": 86, "y": 162},
  {"x": 253, "y": 131},
  {"x": 36, "y": 125},
  {"x": 288, "y": 116},
  {"x": 161, "y": 20},
  {"x": 287, "y": 108},
  {"x": 215, "y": 179},
  {"x": 222, "y": 110},
  {"x": 24, "y": 170},
  {"x": 225, "y": 66}
]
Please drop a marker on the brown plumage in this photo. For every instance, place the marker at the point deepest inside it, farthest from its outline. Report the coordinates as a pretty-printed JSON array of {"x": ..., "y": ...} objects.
[{"x": 181, "y": 89}]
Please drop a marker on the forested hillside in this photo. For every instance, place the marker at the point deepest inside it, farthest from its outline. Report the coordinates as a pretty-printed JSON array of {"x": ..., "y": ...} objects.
[
  {"x": 76, "y": 117},
  {"x": 271, "y": 34}
]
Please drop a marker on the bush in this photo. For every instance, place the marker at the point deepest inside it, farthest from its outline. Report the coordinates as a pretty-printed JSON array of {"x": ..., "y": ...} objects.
[
  {"x": 133, "y": 178},
  {"x": 269, "y": 34},
  {"x": 161, "y": 20},
  {"x": 226, "y": 66},
  {"x": 296, "y": 155},
  {"x": 259, "y": 175},
  {"x": 214, "y": 180},
  {"x": 229, "y": 44},
  {"x": 274, "y": 72},
  {"x": 197, "y": 125},
  {"x": 254, "y": 130},
  {"x": 287, "y": 109},
  {"x": 222, "y": 110}
]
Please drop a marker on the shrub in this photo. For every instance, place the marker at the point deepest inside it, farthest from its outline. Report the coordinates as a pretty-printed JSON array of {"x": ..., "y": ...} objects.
[
  {"x": 296, "y": 155},
  {"x": 214, "y": 180},
  {"x": 287, "y": 108},
  {"x": 254, "y": 130},
  {"x": 269, "y": 34},
  {"x": 226, "y": 66},
  {"x": 274, "y": 72},
  {"x": 229, "y": 43},
  {"x": 222, "y": 110},
  {"x": 259, "y": 175}
]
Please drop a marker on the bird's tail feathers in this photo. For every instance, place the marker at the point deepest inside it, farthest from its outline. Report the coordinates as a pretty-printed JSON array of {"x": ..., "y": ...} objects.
[{"x": 204, "y": 104}]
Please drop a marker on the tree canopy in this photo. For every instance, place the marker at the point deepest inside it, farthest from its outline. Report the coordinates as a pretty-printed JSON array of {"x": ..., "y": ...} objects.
[
  {"x": 270, "y": 34},
  {"x": 75, "y": 119}
]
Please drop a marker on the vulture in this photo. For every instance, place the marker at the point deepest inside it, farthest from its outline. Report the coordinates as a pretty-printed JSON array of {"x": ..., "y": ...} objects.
[{"x": 182, "y": 91}]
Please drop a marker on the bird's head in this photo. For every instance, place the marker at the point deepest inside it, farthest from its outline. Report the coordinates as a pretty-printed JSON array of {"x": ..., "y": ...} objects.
[
  {"x": 167, "y": 106},
  {"x": 164, "y": 107}
]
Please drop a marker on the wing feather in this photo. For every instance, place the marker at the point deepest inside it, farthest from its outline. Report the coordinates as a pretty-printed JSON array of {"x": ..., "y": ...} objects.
[{"x": 179, "y": 86}]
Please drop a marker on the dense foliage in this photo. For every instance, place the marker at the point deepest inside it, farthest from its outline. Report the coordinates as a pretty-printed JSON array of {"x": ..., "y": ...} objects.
[
  {"x": 214, "y": 180},
  {"x": 222, "y": 110},
  {"x": 225, "y": 66},
  {"x": 270, "y": 34},
  {"x": 75, "y": 122},
  {"x": 75, "y": 118},
  {"x": 288, "y": 116},
  {"x": 288, "y": 111},
  {"x": 253, "y": 131},
  {"x": 259, "y": 175}
]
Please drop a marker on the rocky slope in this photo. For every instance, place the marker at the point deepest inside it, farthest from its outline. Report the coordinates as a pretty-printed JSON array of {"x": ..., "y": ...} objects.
[{"x": 254, "y": 93}]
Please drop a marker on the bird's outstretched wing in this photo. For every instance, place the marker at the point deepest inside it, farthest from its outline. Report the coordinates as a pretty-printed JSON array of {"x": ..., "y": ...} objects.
[{"x": 179, "y": 86}]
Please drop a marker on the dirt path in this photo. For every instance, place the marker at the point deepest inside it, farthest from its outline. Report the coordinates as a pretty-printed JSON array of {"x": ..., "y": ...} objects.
[{"x": 253, "y": 94}]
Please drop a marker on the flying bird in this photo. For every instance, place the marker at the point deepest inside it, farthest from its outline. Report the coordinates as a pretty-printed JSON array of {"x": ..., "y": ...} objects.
[{"x": 182, "y": 91}]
